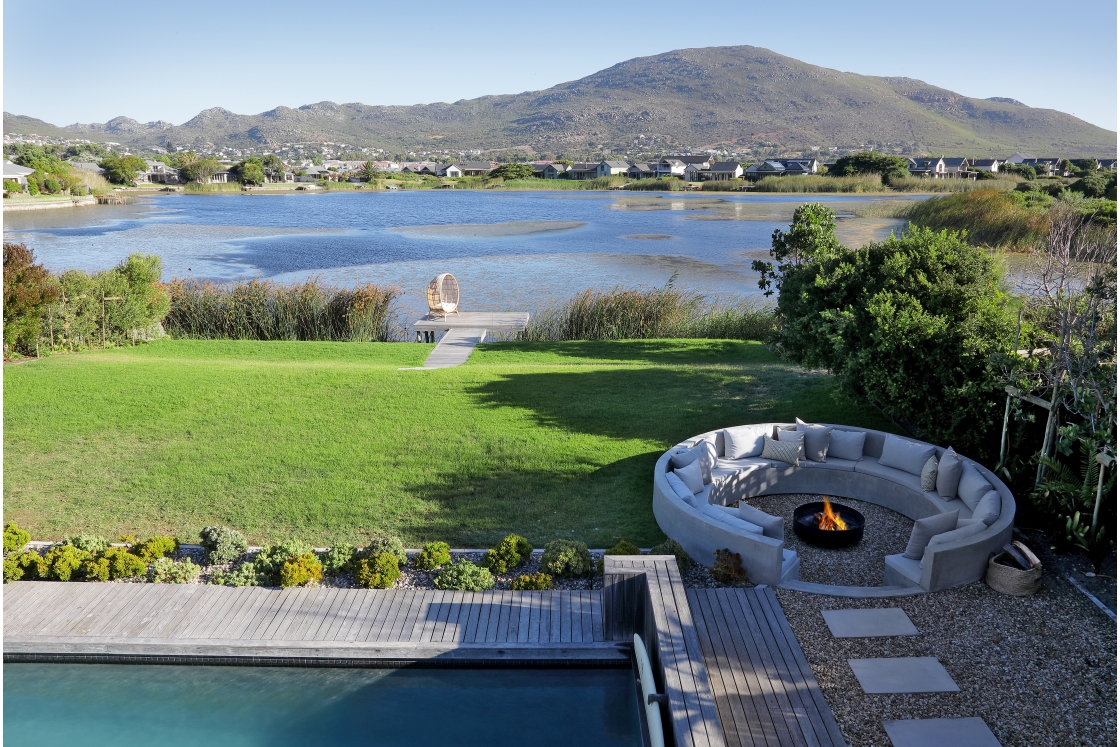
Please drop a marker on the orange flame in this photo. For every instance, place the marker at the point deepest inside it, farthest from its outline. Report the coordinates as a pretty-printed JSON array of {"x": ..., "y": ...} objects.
[{"x": 828, "y": 520}]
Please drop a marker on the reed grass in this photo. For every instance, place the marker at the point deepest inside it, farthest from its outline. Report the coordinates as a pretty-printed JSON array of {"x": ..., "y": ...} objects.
[
  {"x": 657, "y": 185},
  {"x": 917, "y": 184},
  {"x": 196, "y": 188},
  {"x": 814, "y": 183},
  {"x": 265, "y": 310},
  {"x": 992, "y": 217},
  {"x": 635, "y": 314},
  {"x": 731, "y": 185}
]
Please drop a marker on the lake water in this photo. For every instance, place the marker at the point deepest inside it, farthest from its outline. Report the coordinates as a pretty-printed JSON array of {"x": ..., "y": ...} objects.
[
  {"x": 510, "y": 251},
  {"x": 118, "y": 704}
]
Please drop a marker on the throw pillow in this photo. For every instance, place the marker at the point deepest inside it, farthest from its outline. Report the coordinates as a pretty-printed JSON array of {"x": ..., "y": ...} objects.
[
  {"x": 987, "y": 510},
  {"x": 957, "y": 534},
  {"x": 743, "y": 441},
  {"x": 817, "y": 439},
  {"x": 703, "y": 452},
  {"x": 772, "y": 526},
  {"x": 846, "y": 444},
  {"x": 678, "y": 487},
  {"x": 783, "y": 451},
  {"x": 792, "y": 437},
  {"x": 973, "y": 486},
  {"x": 925, "y": 529},
  {"x": 691, "y": 476},
  {"x": 908, "y": 456},
  {"x": 929, "y": 474},
  {"x": 948, "y": 474}
]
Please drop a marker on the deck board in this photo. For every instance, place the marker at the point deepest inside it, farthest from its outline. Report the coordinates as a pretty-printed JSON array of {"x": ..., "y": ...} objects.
[{"x": 765, "y": 692}]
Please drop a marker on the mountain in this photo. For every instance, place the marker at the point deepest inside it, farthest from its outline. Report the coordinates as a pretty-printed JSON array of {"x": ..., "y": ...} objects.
[{"x": 699, "y": 98}]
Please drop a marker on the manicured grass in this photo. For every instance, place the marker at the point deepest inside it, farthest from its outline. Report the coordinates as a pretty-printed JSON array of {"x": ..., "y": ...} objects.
[{"x": 330, "y": 442}]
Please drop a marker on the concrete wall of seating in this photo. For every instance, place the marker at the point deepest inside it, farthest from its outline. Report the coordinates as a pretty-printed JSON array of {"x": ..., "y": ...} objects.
[{"x": 943, "y": 566}]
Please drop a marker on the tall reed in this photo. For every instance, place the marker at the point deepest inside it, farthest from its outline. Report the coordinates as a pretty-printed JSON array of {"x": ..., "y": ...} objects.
[
  {"x": 265, "y": 310},
  {"x": 818, "y": 183},
  {"x": 667, "y": 312},
  {"x": 657, "y": 185},
  {"x": 918, "y": 184},
  {"x": 991, "y": 216}
]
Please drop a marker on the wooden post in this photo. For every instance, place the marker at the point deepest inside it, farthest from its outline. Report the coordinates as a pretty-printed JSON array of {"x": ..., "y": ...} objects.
[
  {"x": 1046, "y": 438},
  {"x": 1007, "y": 405},
  {"x": 1105, "y": 461}
]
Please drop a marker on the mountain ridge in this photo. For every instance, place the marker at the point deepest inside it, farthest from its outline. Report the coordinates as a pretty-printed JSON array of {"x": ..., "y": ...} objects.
[{"x": 712, "y": 97}]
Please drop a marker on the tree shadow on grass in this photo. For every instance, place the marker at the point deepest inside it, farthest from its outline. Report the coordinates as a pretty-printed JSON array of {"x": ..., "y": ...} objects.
[{"x": 663, "y": 352}]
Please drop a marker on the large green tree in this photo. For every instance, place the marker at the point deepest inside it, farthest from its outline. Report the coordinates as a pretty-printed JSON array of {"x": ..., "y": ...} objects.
[
  {"x": 122, "y": 169},
  {"x": 273, "y": 167},
  {"x": 917, "y": 324},
  {"x": 513, "y": 171},
  {"x": 869, "y": 162},
  {"x": 249, "y": 171},
  {"x": 200, "y": 170},
  {"x": 28, "y": 289}
]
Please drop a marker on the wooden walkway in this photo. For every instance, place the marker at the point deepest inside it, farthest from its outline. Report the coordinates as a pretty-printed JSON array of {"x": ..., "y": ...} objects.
[
  {"x": 454, "y": 349},
  {"x": 499, "y": 321},
  {"x": 765, "y": 692},
  {"x": 201, "y": 620}
]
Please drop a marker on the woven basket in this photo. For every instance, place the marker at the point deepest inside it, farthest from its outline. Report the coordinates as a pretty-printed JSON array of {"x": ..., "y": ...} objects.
[{"x": 1013, "y": 581}]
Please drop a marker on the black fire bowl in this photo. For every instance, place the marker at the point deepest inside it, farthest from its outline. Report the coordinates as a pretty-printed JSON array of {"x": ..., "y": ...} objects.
[{"x": 805, "y": 525}]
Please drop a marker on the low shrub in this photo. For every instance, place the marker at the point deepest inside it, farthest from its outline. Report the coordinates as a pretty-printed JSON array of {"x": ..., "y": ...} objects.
[
  {"x": 154, "y": 548},
  {"x": 14, "y": 537},
  {"x": 301, "y": 570},
  {"x": 338, "y": 559},
  {"x": 222, "y": 544},
  {"x": 434, "y": 555},
  {"x": 391, "y": 545},
  {"x": 123, "y": 564},
  {"x": 378, "y": 571},
  {"x": 464, "y": 576},
  {"x": 167, "y": 571},
  {"x": 243, "y": 575},
  {"x": 23, "y": 565},
  {"x": 621, "y": 548},
  {"x": 61, "y": 561},
  {"x": 672, "y": 547},
  {"x": 88, "y": 542},
  {"x": 566, "y": 558},
  {"x": 728, "y": 568},
  {"x": 510, "y": 552},
  {"x": 531, "y": 582},
  {"x": 270, "y": 562},
  {"x": 96, "y": 568}
]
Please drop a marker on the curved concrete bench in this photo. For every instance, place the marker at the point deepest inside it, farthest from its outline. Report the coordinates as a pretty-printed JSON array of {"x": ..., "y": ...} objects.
[{"x": 765, "y": 557}]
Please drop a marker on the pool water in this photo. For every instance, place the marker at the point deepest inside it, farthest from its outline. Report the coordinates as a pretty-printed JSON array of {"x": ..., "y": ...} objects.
[{"x": 114, "y": 704}]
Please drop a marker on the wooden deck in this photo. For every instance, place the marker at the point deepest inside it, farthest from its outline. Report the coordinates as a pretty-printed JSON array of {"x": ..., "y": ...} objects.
[
  {"x": 502, "y": 321},
  {"x": 764, "y": 690},
  {"x": 200, "y": 620}
]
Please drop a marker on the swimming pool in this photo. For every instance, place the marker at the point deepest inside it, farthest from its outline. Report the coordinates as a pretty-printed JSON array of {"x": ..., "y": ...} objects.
[{"x": 122, "y": 704}]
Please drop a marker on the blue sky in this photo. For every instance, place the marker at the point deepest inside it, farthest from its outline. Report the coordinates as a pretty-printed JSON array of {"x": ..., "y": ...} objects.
[{"x": 68, "y": 62}]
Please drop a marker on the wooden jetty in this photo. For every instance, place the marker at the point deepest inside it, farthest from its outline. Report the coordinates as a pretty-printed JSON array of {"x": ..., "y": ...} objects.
[{"x": 496, "y": 321}]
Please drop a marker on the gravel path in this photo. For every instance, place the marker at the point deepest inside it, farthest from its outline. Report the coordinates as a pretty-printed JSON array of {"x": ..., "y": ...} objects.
[{"x": 1040, "y": 671}]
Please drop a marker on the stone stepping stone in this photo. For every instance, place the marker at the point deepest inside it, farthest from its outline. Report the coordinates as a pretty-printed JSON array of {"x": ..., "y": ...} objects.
[
  {"x": 937, "y": 732},
  {"x": 911, "y": 674},
  {"x": 872, "y": 623}
]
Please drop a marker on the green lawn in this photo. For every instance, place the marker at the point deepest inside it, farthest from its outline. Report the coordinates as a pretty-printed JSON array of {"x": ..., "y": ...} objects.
[{"x": 329, "y": 442}]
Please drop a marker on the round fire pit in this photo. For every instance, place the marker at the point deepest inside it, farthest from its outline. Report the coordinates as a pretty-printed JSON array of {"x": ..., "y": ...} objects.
[{"x": 806, "y": 525}]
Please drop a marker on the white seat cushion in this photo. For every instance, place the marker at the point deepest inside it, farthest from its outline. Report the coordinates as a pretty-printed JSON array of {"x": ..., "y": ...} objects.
[
  {"x": 911, "y": 569},
  {"x": 897, "y": 476},
  {"x": 844, "y": 465}
]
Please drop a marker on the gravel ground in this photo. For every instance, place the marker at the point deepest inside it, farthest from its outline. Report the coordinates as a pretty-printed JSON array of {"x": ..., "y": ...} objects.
[
  {"x": 885, "y": 532},
  {"x": 1039, "y": 671}
]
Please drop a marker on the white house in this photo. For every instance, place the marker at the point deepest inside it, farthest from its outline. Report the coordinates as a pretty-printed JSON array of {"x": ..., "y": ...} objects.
[
  {"x": 13, "y": 172},
  {"x": 476, "y": 168},
  {"x": 582, "y": 171},
  {"x": 1019, "y": 158},
  {"x": 642, "y": 171},
  {"x": 985, "y": 164},
  {"x": 931, "y": 167},
  {"x": 554, "y": 170},
  {"x": 448, "y": 169},
  {"x": 611, "y": 168}
]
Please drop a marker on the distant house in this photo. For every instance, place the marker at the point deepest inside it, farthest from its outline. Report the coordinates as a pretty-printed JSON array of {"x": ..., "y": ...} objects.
[
  {"x": 159, "y": 172},
  {"x": 800, "y": 166},
  {"x": 1048, "y": 166},
  {"x": 956, "y": 168},
  {"x": 611, "y": 168},
  {"x": 1019, "y": 158},
  {"x": 722, "y": 171},
  {"x": 554, "y": 170},
  {"x": 639, "y": 170},
  {"x": 222, "y": 177},
  {"x": 934, "y": 168},
  {"x": 13, "y": 172},
  {"x": 583, "y": 171},
  {"x": 448, "y": 169},
  {"x": 89, "y": 166},
  {"x": 985, "y": 164},
  {"x": 770, "y": 167},
  {"x": 312, "y": 174},
  {"x": 1108, "y": 164},
  {"x": 419, "y": 167},
  {"x": 476, "y": 168},
  {"x": 671, "y": 167}
]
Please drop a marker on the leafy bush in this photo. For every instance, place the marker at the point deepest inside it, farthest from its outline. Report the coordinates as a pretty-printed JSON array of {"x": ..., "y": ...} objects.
[
  {"x": 23, "y": 564},
  {"x": 531, "y": 582},
  {"x": 510, "y": 552},
  {"x": 434, "y": 555},
  {"x": 62, "y": 561},
  {"x": 301, "y": 570},
  {"x": 869, "y": 162},
  {"x": 464, "y": 576},
  {"x": 167, "y": 571},
  {"x": 391, "y": 545},
  {"x": 622, "y": 547},
  {"x": 728, "y": 568},
  {"x": 123, "y": 564},
  {"x": 270, "y": 561},
  {"x": 916, "y": 325},
  {"x": 14, "y": 537},
  {"x": 338, "y": 559},
  {"x": 28, "y": 289},
  {"x": 513, "y": 171},
  {"x": 378, "y": 571},
  {"x": 672, "y": 547},
  {"x": 243, "y": 575},
  {"x": 154, "y": 548},
  {"x": 96, "y": 568},
  {"x": 566, "y": 558},
  {"x": 222, "y": 544},
  {"x": 87, "y": 542}
]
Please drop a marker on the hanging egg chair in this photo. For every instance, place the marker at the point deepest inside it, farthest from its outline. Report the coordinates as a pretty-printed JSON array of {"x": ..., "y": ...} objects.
[{"x": 443, "y": 296}]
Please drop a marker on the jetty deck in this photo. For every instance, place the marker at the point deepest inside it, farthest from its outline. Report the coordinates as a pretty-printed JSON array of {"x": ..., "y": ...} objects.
[{"x": 497, "y": 321}]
